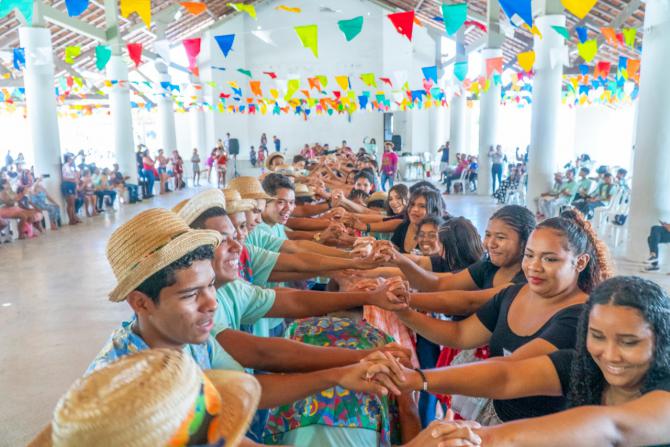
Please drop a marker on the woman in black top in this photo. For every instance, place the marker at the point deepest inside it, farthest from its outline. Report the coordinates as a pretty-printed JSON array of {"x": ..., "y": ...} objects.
[
  {"x": 618, "y": 376},
  {"x": 463, "y": 292},
  {"x": 423, "y": 202},
  {"x": 563, "y": 261}
]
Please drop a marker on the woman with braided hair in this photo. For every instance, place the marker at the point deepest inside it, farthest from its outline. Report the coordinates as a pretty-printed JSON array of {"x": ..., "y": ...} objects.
[{"x": 563, "y": 261}]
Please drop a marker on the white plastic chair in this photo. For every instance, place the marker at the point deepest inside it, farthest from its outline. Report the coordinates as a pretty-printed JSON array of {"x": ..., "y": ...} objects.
[
  {"x": 461, "y": 181},
  {"x": 517, "y": 196},
  {"x": 601, "y": 213}
]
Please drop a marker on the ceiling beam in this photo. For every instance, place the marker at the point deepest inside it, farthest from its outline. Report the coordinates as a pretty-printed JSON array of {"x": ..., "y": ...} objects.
[
  {"x": 473, "y": 47},
  {"x": 61, "y": 19}
]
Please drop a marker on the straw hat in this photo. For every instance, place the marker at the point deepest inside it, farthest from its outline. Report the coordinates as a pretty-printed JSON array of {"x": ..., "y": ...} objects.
[
  {"x": 379, "y": 195},
  {"x": 272, "y": 156},
  {"x": 249, "y": 188},
  {"x": 153, "y": 398},
  {"x": 200, "y": 203},
  {"x": 179, "y": 206},
  {"x": 148, "y": 242},
  {"x": 302, "y": 190},
  {"x": 235, "y": 202}
]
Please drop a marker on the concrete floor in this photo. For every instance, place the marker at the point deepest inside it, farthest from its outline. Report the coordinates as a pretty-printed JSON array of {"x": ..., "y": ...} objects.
[{"x": 55, "y": 316}]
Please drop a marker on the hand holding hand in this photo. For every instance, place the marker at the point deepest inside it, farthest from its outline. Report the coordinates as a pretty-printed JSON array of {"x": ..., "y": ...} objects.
[{"x": 447, "y": 433}]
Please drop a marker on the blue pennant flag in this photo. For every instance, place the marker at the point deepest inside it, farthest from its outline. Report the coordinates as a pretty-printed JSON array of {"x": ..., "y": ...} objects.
[
  {"x": 225, "y": 42},
  {"x": 76, "y": 7},
  {"x": 582, "y": 34},
  {"x": 19, "y": 58},
  {"x": 584, "y": 69},
  {"x": 430, "y": 73},
  {"x": 363, "y": 101}
]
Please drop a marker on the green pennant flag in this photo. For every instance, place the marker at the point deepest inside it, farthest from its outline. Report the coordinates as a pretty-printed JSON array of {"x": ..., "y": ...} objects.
[
  {"x": 588, "y": 50},
  {"x": 309, "y": 36},
  {"x": 245, "y": 72},
  {"x": 351, "y": 28},
  {"x": 563, "y": 31},
  {"x": 102, "y": 55},
  {"x": 629, "y": 36},
  {"x": 461, "y": 70},
  {"x": 24, "y": 6},
  {"x": 369, "y": 79},
  {"x": 454, "y": 16},
  {"x": 323, "y": 80},
  {"x": 292, "y": 87}
]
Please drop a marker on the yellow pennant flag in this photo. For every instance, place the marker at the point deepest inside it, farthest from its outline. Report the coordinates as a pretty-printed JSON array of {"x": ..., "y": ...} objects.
[
  {"x": 71, "y": 53},
  {"x": 323, "y": 80},
  {"x": 526, "y": 60},
  {"x": 309, "y": 36},
  {"x": 141, "y": 7},
  {"x": 536, "y": 32},
  {"x": 292, "y": 87},
  {"x": 274, "y": 93},
  {"x": 249, "y": 9},
  {"x": 343, "y": 82},
  {"x": 288, "y": 9},
  {"x": 579, "y": 7}
]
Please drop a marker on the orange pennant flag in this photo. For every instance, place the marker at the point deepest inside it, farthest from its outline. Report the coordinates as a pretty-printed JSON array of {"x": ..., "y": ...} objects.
[
  {"x": 194, "y": 8},
  {"x": 610, "y": 35},
  {"x": 633, "y": 69},
  {"x": 255, "y": 87}
]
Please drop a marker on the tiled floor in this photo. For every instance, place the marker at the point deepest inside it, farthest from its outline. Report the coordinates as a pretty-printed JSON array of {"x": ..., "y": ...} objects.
[{"x": 54, "y": 314}]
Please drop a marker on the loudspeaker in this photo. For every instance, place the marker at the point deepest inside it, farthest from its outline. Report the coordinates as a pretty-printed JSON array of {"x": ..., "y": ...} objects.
[
  {"x": 234, "y": 147},
  {"x": 397, "y": 143}
]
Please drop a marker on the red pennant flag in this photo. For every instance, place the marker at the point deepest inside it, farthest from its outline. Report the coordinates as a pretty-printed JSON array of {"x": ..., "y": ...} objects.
[
  {"x": 135, "y": 53},
  {"x": 223, "y": 95},
  {"x": 620, "y": 39},
  {"x": 476, "y": 24},
  {"x": 337, "y": 93},
  {"x": 386, "y": 81},
  {"x": 603, "y": 69},
  {"x": 271, "y": 74},
  {"x": 494, "y": 65},
  {"x": 403, "y": 22},
  {"x": 192, "y": 47}
]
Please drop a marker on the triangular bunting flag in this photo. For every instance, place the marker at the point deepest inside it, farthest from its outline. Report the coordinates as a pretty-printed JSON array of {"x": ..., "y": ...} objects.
[
  {"x": 272, "y": 74},
  {"x": 141, "y": 7},
  {"x": 526, "y": 60},
  {"x": 430, "y": 73},
  {"x": 454, "y": 17},
  {"x": 102, "y": 55},
  {"x": 135, "y": 53},
  {"x": 461, "y": 70},
  {"x": 249, "y": 9},
  {"x": 225, "y": 43},
  {"x": 588, "y": 50},
  {"x": 629, "y": 36},
  {"x": 255, "y": 87},
  {"x": 71, "y": 53},
  {"x": 285, "y": 8},
  {"x": 369, "y": 79},
  {"x": 192, "y": 47},
  {"x": 323, "y": 80},
  {"x": 403, "y": 22},
  {"x": 76, "y": 7},
  {"x": 494, "y": 65},
  {"x": 386, "y": 81},
  {"x": 519, "y": 8},
  {"x": 563, "y": 31},
  {"x": 195, "y": 8},
  {"x": 579, "y": 7},
  {"x": 582, "y": 34},
  {"x": 343, "y": 82},
  {"x": 244, "y": 72},
  {"x": 19, "y": 61},
  {"x": 309, "y": 36},
  {"x": 610, "y": 35},
  {"x": 351, "y": 28}
]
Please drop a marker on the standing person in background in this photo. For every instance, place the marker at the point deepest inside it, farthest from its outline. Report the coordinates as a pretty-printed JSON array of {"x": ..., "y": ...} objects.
[
  {"x": 9, "y": 161},
  {"x": 262, "y": 151},
  {"x": 210, "y": 162},
  {"x": 141, "y": 179},
  {"x": 264, "y": 142},
  {"x": 252, "y": 156},
  {"x": 69, "y": 187},
  {"x": 20, "y": 161},
  {"x": 178, "y": 169},
  {"x": 370, "y": 146},
  {"x": 226, "y": 143},
  {"x": 221, "y": 167},
  {"x": 150, "y": 172},
  {"x": 162, "y": 161},
  {"x": 195, "y": 162},
  {"x": 444, "y": 160},
  {"x": 389, "y": 165},
  {"x": 496, "y": 156},
  {"x": 277, "y": 143},
  {"x": 659, "y": 234}
]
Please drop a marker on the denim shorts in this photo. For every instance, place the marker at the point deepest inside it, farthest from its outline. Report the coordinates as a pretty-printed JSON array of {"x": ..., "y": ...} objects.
[{"x": 68, "y": 188}]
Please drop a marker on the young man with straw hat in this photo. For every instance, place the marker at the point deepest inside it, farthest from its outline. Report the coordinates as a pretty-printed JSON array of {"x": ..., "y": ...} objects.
[
  {"x": 164, "y": 271},
  {"x": 274, "y": 160},
  {"x": 156, "y": 397}
]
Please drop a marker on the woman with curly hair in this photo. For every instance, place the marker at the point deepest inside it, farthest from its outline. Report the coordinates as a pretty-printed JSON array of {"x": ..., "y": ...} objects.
[
  {"x": 563, "y": 261},
  {"x": 617, "y": 380}
]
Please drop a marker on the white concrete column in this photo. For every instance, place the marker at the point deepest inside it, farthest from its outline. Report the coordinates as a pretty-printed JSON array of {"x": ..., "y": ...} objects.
[
  {"x": 543, "y": 153},
  {"x": 489, "y": 110},
  {"x": 197, "y": 122},
  {"x": 122, "y": 119},
  {"x": 650, "y": 199},
  {"x": 41, "y": 106},
  {"x": 457, "y": 108},
  {"x": 167, "y": 135}
]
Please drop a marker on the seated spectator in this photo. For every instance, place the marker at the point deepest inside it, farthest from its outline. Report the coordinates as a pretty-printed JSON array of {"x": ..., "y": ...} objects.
[
  {"x": 462, "y": 165},
  {"x": 510, "y": 183},
  {"x": 550, "y": 204},
  {"x": 473, "y": 172},
  {"x": 87, "y": 190},
  {"x": 600, "y": 197},
  {"x": 584, "y": 184},
  {"x": 620, "y": 180},
  {"x": 659, "y": 234},
  {"x": 42, "y": 201},
  {"x": 104, "y": 189},
  {"x": 10, "y": 209},
  {"x": 119, "y": 182}
]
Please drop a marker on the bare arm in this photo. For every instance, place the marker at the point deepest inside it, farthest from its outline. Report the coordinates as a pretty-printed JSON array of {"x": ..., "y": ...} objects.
[
  {"x": 309, "y": 209},
  {"x": 306, "y": 246},
  {"x": 453, "y": 302},
  {"x": 466, "y": 334},
  {"x": 307, "y": 223},
  {"x": 300, "y": 235},
  {"x": 427, "y": 281},
  {"x": 388, "y": 226},
  {"x": 643, "y": 421},
  {"x": 311, "y": 262}
]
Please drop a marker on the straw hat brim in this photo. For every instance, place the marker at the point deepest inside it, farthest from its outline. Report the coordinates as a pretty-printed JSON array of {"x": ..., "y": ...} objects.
[
  {"x": 243, "y": 185},
  {"x": 200, "y": 203},
  {"x": 240, "y": 394},
  {"x": 161, "y": 258},
  {"x": 240, "y": 206},
  {"x": 272, "y": 157}
]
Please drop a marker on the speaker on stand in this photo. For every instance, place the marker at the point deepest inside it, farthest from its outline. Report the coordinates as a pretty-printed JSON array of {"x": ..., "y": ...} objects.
[{"x": 234, "y": 150}]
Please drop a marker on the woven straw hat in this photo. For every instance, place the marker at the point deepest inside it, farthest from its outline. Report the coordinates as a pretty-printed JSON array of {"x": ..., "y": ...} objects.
[
  {"x": 249, "y": 188},
  {"x": 235, "y": 202},
  {"x": 148, "y": 242},
  {"x": 271, "y": 157},
  {"x": 200, "y": 203},
  {"x": 148, "y": 399},
  {"x": 379, "y": 195},
  {"x": 302, "y": 190}
]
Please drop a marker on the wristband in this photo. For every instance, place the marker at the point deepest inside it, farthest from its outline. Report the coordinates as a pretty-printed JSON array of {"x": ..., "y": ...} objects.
[{"x": 423, "y": 377}]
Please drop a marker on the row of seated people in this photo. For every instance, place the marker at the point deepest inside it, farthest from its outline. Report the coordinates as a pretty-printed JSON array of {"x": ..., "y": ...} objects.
[{"x": 537, "y": 342}]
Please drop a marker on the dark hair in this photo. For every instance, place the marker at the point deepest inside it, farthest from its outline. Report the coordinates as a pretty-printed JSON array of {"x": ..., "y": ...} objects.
[
  {"x": 422, "y": 184},
  {"x": 621, "y": 171},
  {"x": 521, "y": 220},
  {"x": 216, "y": 211},
  {"x": 365, "y": 174},
  {"x": 431, "y": 220},
  {"x": 587, "y": 171},
  {"x": 377, "y": 204},
  {"x": 587, "y": 381},
  {"x": 433, "y": 201},
  {"x": 299, "y": 158},
  {"x": 581, "y": 238},
  {"x": 607, "y": 175},
  {"x": 166, "y": 276},
  {"x": 358, "y": 194},
  {"x": 462, "y": 243},
  {"x": 403, "y": 192},
  {"x": 273, "y": 182}
]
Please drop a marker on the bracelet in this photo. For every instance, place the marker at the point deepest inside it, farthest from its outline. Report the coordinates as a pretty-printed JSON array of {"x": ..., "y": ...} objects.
[
  {"x": 423, "y": 377},
  {"x": 367, "y": 228}
]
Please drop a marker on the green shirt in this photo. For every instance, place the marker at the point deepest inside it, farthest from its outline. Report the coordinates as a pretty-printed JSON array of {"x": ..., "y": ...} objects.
[
  {"x": 263, "y": 239},
  {"x": 262, "y": 263},
  {"x": 605, "y": 192},
  {"x": 584, "y": 186},
  {"x": 276, "y": 230},
  {"x": 240, "y": 303},
  {"x": 570, "y": 188}
]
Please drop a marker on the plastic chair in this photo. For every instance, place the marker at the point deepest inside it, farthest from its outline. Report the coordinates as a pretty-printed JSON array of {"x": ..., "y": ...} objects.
[
  {"x": 600, "y": 213},
  {"x": 461, "y": 181}
]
